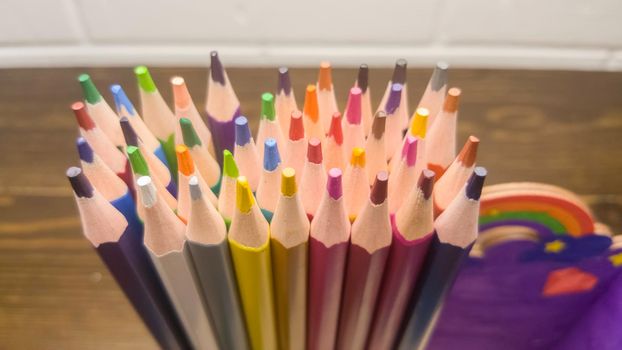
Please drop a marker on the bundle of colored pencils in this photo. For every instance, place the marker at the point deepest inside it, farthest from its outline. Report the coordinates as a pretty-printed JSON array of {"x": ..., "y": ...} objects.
[{"x": 326, "y": 231}]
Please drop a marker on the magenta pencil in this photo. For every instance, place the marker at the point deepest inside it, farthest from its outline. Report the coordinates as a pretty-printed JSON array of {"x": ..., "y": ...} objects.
[
  {"x": 369, "y": 248},
  {"x": 330, "y": 233},
  {"x": 412, "y": 234}
]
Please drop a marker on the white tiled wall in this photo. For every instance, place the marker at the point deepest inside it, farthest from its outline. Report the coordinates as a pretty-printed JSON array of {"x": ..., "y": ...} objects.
[{"x": 562, "y": 34}]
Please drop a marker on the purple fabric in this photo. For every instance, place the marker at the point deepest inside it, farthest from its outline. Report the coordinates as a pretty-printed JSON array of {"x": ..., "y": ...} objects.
[{"x": 223, "y": 134}]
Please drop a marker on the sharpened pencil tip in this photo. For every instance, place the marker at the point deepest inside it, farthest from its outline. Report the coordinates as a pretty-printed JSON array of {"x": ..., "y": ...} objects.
[
  {"x": 439, "y": 76},
  {"x": 195, "y": 188},
  {"x": 82, "y": 116},
  {"x": 379, "y": 189},
  {"x": 267, "y": 106},
  {"x": 325, "y": 80},
  {"x": 242, "y": 132},
  {"x": 190, "y": 136},
  {"x": 230, "y": 169},
  {"x": 426, "y": 183},
  {"x": 409, "y": 151},
  {"x": 84, "y": 150},
  {"x": 271, "y": 159},
  {"x": 244, "y": 196},
  {"x": 475, "y": 184},
  {"x": 358, "y": 157},
  {"x": 147, "y": 191},
  {"x": 185, "y": 165},
  {"x": 335, "y": 131},
  {"x": 354, "y": 106},
  {"x": 418, "y": 126},
  {"x": 288, "y": 182},
  {"x": 121, "y": 100},
  {"x": 333, "y": 185},
  {"x": 468, "y": 154},
  {"x": 131, "y": 139},
  {"x": 89, "y": 90},
  {"x": 284, "y": 83},
  {"x": 399, "y": 73},
  {"x": 362, "y": 79},
  {"x": 452, "y": 99},
  {"x": 310, "y": 107},
  {"x": 145, "y": 82},
  {"x": 296, "y": 126},
  {"x": 395, "y": 98},
  {"x": 79, "y": 183},
  {"x": 378, "y": 125},
  {"x": 216, "y": 69},
  {"x": 314, "y": 151},
  {"x": 137, "y": 161},
  {"x": 181, "y": 96}
]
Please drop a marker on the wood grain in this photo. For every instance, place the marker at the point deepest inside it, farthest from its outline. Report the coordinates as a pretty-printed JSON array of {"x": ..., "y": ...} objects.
[{"x": 558, "y": 127}]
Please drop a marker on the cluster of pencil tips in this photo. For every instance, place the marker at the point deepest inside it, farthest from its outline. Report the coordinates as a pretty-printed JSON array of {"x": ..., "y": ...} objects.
[{"x": 326, "y": 231}]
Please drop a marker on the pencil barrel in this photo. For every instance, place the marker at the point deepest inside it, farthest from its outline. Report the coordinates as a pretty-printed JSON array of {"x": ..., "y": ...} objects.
[{"x": 217, "y": 280}]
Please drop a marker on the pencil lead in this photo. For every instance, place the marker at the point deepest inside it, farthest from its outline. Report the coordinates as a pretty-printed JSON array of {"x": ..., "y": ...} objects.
[
  {"x": 426, "y": 183},
  {"x": 131, "y": 139},
  {"x": 363, "y": 77},
  {"x": 333, "y": 185},
  {"x": 216, "y": 68},
  {"x": 230, "y": 169},
  {"x": 335, "y": 129},
  {"x": 79, "y": 183},
  {"x": 271, "y": 159},
  {"x": 145, "y": 82},
  {"x": 314, "y": 151},
  {"x": 452, "y": 100},
  {"x": 242, "y": 132},
  {"x": 243, "y": 195},
  {"x": 121, "y": 99},
  {"x": 419, "y": 124},
  {"x": 468, "y": 154},
  {"x": 190, "y": 136},
  {"x": 358, "y": 157},
  {"x": 82, "y": 116},
  {"x": 195, "y": 188},
  {"x": 84, "y": 150},
  {"x": 138, "y": 163},
  {"x": 181, "y": 96},
  {"x": 89, "y": 90},
  {"x": 439, "y": 76},
  {"x": 378, "y": 125},
  {"x": 409, "y": 151},
  {"x": 310, "y": 106},
  {"x": 296, "y": 126},
  {"x": 185, "y": 165},
  {"x": 147, "y": 191},
  {"x": 399, "y": 73},
  {"x": 395, "y": 98},
  {"x": 325, "y": 80},
  {"x": 288, "y": 182},
  {"x": 267, "y": 106},
  {"x": 354, "y": 106},
  {"x": 476, "y": 183},
  {"x": 284, "y": 83},
  {"x": 379, "y": 189}
]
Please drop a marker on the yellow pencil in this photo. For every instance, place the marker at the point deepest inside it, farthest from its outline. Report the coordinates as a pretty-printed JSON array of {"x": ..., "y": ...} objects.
[{"x": 250, "y": 250}]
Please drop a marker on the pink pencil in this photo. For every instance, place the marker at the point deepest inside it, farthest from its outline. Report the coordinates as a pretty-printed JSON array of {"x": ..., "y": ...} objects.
[
  {"x": 352, "y": 122},
  {"x": 330, "y": 233},
  {"x": 313, "y": 179},
  {"x": 412, "y": 234}
]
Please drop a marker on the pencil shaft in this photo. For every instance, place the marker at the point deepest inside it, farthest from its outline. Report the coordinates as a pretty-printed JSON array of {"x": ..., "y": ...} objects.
[
  {"x": 325, "y": 286},
  {"x": 437, "y": 276},
  {"x": 289, "y": 266},
  {"x": 217, "y": 279}
]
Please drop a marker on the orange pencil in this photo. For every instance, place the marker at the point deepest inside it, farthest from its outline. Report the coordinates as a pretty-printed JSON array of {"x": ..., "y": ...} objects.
[
  {"x": 327, "y": 103},
  {"x": 311, "y": 115}
]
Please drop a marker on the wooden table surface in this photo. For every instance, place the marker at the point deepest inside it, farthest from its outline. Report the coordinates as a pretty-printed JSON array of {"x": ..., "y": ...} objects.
[{"x": 558, "y": 127}]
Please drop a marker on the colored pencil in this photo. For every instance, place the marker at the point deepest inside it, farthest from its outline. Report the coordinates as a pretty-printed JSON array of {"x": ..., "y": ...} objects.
[
  {"x": 356, "y": 184},
  {"x": 441, "y": 136},
  {"x": 405, "y": 174},
  {"x": 369, "y": 248},
  {"x": 245, "y": 153},
  {"x": 156, "y": 166},
  {"x": 140, "y": 167},
  {"x": 435, "y": 91},
  {"x": 99, "y": 110},
  {"x": 418, "y": 129},
  {"x": 362, "y": 82},
  {"x": 289, "y": 242},
  {"x": 399, "y": 77},
  {"x": 269, "y": 127},
  {"x": 352, "y": 122},
  {"x": 311, "y": 116},
  {"x": 164, "y": 238},
  {"x": 206, "y": 164},
  {"x": 375, "y": 147},
  {"x": 206, "y": 238},
  {"x": 412, "y": 234},
  {"x": 185, "y": 108},
  {"x": 158, "y": 116},
  {"x": 448, "y": 186},
  {"x": 126, "y": 109},
  {"x": 313, "y": 179},
  {"x": 270, "y": 179},
  {"x": 285, "y": 101},
  {"x": 107, "y": 183},
  {"x": 393, "y": 128},
  {"x": 335, "y": 156},
  {"x": 328, "y": 248},
  {"x": 327, "y": 103},
  {"x": 226, "y": 198},
  {"x": 186, "y": 168},
  {"x": 119, "y": 245},
  {"x": 456, "y": 230},
  {"x": 101, "y": 144},
  {"x": 296, "y": 143},
  {"x": 222, "y": 107},
  {"x": 250, "y": 248}
]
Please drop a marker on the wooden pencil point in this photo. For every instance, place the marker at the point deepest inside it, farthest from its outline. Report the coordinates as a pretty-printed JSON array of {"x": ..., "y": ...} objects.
[
  {"x": 452, "y": 100},
  {"x": 468, "y": 154},
  {"x": 288, "y": 182},
  {"x": 244, "y": 196}
]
